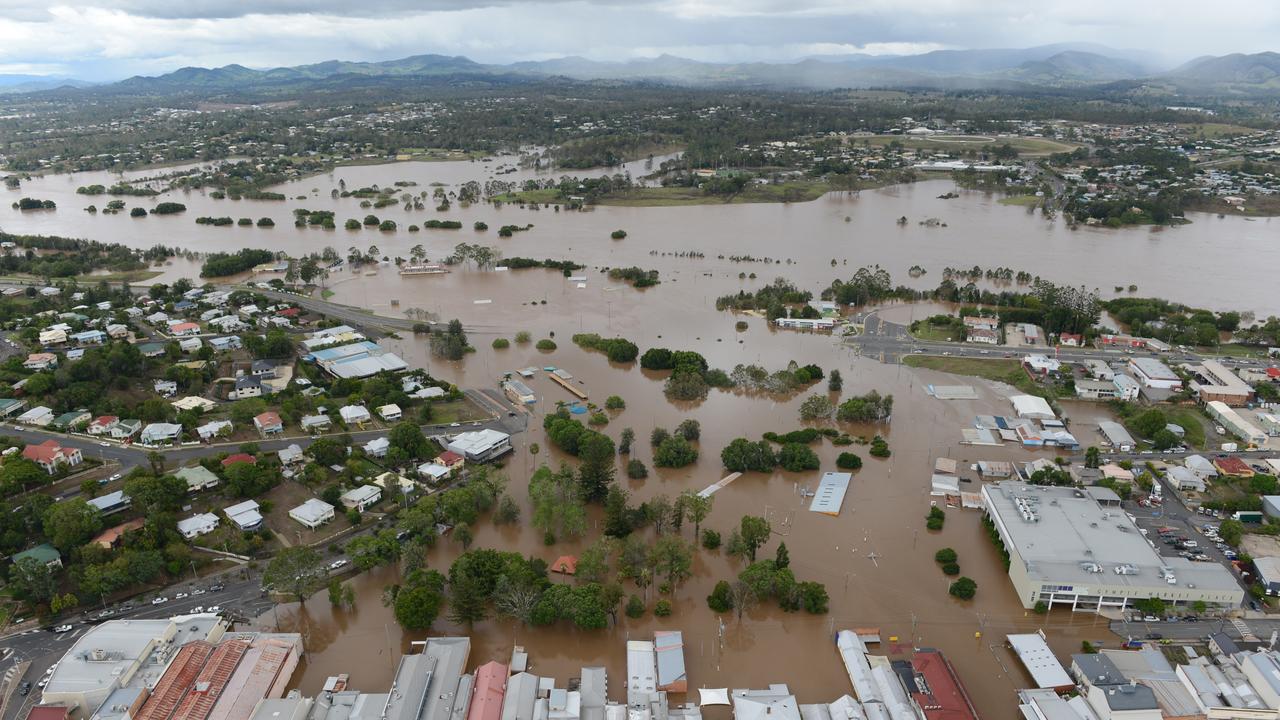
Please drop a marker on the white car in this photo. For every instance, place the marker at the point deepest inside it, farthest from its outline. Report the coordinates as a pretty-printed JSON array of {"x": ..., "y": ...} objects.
[
  {"x": 104, "y": 443},
  {"x": 337, "y": 564},
  {"x": 214, "y": 609},
  {"x": 199, "y": 591},
  {"x": 62, "y": 629},
  {"x": 198, "y": 609},
  {"x": 160, "y": 601},
  {"x": 115, "y": 477},
  {"x": 179, "y": 596}
]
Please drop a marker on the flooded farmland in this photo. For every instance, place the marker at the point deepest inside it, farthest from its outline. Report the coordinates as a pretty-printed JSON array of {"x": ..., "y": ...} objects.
[{"x": 875, "y": 558}]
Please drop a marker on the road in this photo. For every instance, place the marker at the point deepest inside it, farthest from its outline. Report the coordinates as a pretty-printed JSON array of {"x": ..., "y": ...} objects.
[{"x": 889, "y": 342}]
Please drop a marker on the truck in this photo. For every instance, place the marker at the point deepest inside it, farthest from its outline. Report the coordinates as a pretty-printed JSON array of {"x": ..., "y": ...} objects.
[{"x": 1229, "y": 447}]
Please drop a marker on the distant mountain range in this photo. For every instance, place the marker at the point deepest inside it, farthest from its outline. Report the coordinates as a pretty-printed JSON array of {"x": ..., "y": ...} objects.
[
  {"x": 32, "y": 83},
  {"x": 1070, "y": 65}
]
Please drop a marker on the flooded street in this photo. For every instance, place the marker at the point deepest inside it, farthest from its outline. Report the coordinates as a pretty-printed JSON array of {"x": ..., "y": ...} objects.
[{"x": 875, "y": 558}]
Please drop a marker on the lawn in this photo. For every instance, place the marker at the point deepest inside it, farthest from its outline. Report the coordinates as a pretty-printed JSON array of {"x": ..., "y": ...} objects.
[
  {"x": 999, "y": 369},
  {"x": 1191, "y": 421},
  {"x": 1218, "y": 130},
  {"x": 965, "y": 143},
  {"x": 937, "y": 333},
  {"x": 1023, "y": 200},
  {"x": 545, "y": 196},
  {"x": 799, "y": 191},
  {"x": 462, "y": 410}
]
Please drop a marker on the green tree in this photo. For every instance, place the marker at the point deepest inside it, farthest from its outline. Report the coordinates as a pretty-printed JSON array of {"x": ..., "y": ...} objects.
[
  {"x": 558, "y": 508},
  {"x": 295, "y": 571},
  {"x": 596, "y": 473},
  {"x": 835, "y": 383},
  {"x": 754, "y": 532},
  {"x": 409, "y": 438},
  {"x": 743, "y": 455},
  {"x": 418, "y": 603},
  {"x": 963, "y": 588},
  {"x": 816, "y": 407},
  {"x": 673, "y": 559},
  {"x": 721, "y": 598},
  {"x": 71, "y": 523},
  {"x": 156, "y": 494},
  {"x": 797, "y": 457},
  {"x": 33, "y": 581},
  {"x": 625, "y": 441},
  {"x": 675, "y": 452},
  {"x": 782, "y": 558}
]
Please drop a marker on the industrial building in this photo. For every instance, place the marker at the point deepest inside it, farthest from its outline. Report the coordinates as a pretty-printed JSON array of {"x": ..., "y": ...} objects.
[
  {"x": 187, "y": 666},
  {"x": 1154, "y": 374},
  {"x": 1211, "y": 380},
  {"x": 481, "y": 445},
  {"x": 1116, "y": 436},
  {"x": 1065, "y": 548},
  {"x": 1235, "y": 424}
]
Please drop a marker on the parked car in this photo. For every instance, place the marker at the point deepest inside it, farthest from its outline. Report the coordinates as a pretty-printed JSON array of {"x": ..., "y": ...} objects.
[
  {"x": 1150, "y": 618},
  {"x": 62, "y": 629},
  {"x": 341, "y": 562},
  {"x": 160, "y": 601},
  {"x": 180, "y": 596},
  {"x": 215, "y": 588},
  {"x": 24, "y": 688},
  {"x": 199, "y": 591}
]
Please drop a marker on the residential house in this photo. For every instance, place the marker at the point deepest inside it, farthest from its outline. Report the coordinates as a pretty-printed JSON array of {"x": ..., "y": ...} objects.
[
  {"x": 315, "y": 423},
  {"x": 313, "y": 513},
  {"x": 433, "y": 472},
  {"x": 89, "y": 337},
  {"x": 124, "y": 429},
  {"x": 53, "y": 336},
  {"x": 269, "y": 423},
  {"x": 214, "y": 428},
  {"x": 451, "y": 460},
  {"x": 264, "y": 369},
  {"x": 41, "y": 361},
  {"x": 160, "y": 434},
  {"x": 247, "y": 386},
  {"x": 158, "y": 318},
  {"x": 166, "y": 388},
  {"x": 1071, "y": 340},
  {"x": 291, "y": 455},
  {"x": 40, "y": 416},
  {"x": 377, "y": 447},
  {"x": 102, "y": 424},
  {"x": 225, "y": 344},
  {"x": 9, "y": 406},
  {"x": 73, "y": 420},
  {"x": 110, "y": 538},
  {"x": 193, "y": 402},
  {"x": 111, "y": 503},
  {"x": 354, "y": 414},
  {"x": 51, "y": 456},
  {"x": 151, "y": 349},
  {"x": 197, "y": 525},
  {"x": 390, "y": 413},
  {"x": 244, "y": 515},
  {"x": 117, "y": 331},
  {"x": 190, "y": 345},
  {"x": 361, "y": 498},
  {"x": 197, "y": 477}
]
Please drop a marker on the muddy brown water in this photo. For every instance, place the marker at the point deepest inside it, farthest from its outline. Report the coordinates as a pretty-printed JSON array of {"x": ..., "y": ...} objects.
[
  {"x": 1160, "y": 261},
  {"x": 901, "y": 591}
]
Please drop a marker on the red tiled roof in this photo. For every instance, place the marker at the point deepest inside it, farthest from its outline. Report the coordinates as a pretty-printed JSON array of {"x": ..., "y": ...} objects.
[
  {"x": 49, "y": 712},
  {"x": 185, "y": 326},
  {"x": 449, "y": 457},
  {"x": 1273, "y": 372},
  {"x": 237, "y": 458},
  {"x": 104, "y": 420},
  {"x": 267, "y": 419},
  {"x": 566, "y": 564},
  {"x": 45, "y": 452},
  {"x": 1233, "y": 466}
]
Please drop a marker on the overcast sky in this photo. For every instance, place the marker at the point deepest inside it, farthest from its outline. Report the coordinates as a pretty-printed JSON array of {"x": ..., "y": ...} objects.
[{"x": 101, "y": 40}]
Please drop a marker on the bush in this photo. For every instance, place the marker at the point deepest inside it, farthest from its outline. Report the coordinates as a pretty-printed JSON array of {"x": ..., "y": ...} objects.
[
  {"x": 244, "y": 222},
  {"x": 501, "y": 343},
  {"x": 689, "y": 429},
  {"x": 546, "y": 344},
  {"x": 879, "y": 447},
  {"x": 848, "y": 461},
  {"x": 935, "y": 518},
  {"x": 615, "y": 402},
  {"x": 964, "y": 588},
  {"x": 618, "y": 234},
  {"x": 798, "y": 458},
  {"x": 945, "y": 555},
  {"x": 721, "y": 598},
  {"x": 1042, "y": 608},
  {"x": 138, "y": 212},
  {"x": 266, "y": 222},
  {"x": 663, "y": 608},
  {"x": 675, "y": 452},
  {"x": 636, "y": 470},
  {"x": 635, "y": 606},
  {"x": 710, "y": 539},
  {"x": 951, "y": 568},
  {"x": 387, "y": 225},
  {"x": 523, "y": 337},
  {"x": 619, "y": 350},
  {"x": 741, "y": 326},
  {"x": 742, "y": 455},
  {"x": 597, "y": 419}
]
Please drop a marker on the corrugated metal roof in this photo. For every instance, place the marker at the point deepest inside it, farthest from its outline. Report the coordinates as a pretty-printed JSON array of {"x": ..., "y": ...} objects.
[{"x": 830, "y": 494}]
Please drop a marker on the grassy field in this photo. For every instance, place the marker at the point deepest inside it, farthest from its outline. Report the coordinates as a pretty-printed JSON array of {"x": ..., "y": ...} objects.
[
  {"x": 1218, "y": 130},
  {"x": 1263, "y": 206},
  {"x": 1191, "y": 421},
  {"x": 457, "y": 411},
  {"x": 965, "y": 143},
  {"x": 937, "y": 333},
  {"x": 1023, "y": 200},
  {"x": 538, "y": 197},
  {"x": 999, "y": 369},
  {"x": 671, "y": 196}
]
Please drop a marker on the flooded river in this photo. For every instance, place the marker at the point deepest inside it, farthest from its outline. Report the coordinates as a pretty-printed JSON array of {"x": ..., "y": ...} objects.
[
  {"x": 875, "y": 558},
  {"x": 853, "y": 229}
]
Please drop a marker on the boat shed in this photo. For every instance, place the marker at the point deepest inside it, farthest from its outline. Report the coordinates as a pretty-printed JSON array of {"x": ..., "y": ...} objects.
[{"x": 830, "y": 494}]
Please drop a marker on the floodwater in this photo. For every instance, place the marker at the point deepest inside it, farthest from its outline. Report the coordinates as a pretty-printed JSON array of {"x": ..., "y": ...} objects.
[
  {"x": 1198, "y": 264},
  {"x": 875, "y": 558}
]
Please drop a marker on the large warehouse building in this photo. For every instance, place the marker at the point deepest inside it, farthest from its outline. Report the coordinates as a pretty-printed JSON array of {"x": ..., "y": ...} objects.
[{"x": 1066, "y": 549}]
